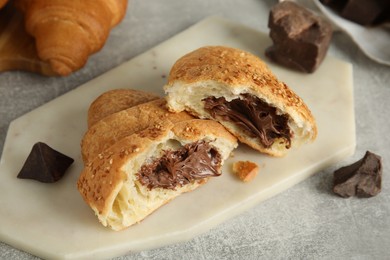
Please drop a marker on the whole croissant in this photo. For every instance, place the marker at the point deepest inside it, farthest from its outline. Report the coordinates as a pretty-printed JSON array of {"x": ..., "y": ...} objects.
[{"x": 68, "y": 31}]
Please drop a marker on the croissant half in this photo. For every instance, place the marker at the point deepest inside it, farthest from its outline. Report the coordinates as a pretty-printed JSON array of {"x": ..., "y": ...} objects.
[
  {"x": 237, "y": 89},
  {"x": 67, "y": 32}
]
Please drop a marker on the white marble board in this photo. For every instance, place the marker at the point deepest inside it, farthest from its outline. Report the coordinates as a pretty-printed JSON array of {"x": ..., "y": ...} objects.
[{"x": 52, "y": 221}]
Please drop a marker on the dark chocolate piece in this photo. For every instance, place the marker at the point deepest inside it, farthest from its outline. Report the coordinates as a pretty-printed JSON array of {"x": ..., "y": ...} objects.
[
  {"x": 194, "y": 161},
  {"x": 362, "y": 178},
  {"x": 300, "y": 38},
  {"x": 336, "y": 5},
  {"x": 253, "y": 116},
  {"x": 45, "y": 164},
  {"x": 364, "y": 12}
]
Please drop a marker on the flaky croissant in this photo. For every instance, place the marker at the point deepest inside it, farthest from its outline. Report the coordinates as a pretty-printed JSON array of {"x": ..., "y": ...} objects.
[{"x": 67, "y": 32}]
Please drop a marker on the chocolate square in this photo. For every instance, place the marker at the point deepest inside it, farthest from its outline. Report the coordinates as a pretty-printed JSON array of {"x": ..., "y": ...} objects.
[
  {"x": 362, "y": 178},
  {"x": 45, "y": 164},
  {"x": 300, "y": 38}
]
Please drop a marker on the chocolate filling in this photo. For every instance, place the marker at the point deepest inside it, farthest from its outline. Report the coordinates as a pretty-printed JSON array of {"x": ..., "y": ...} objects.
[
  {"x": 253, "y": 116},
  {"x": 194, "y": 161}
]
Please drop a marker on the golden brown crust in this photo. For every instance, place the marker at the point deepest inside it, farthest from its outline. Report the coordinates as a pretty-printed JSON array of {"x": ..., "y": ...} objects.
[
  {"x": 112, "y": 128},
  {"x": 237, "y": 68},
  {"x": 194, "y": 129},
  {"x": 116, "y": 100}
]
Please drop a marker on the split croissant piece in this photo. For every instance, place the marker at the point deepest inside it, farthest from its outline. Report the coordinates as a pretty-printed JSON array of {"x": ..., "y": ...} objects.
[
  {"x": 146, "y": 170},
  {"x": 138, "y": 156},
  {"x": 238, "y": 90},
  {"x": 67, "y": 32}
]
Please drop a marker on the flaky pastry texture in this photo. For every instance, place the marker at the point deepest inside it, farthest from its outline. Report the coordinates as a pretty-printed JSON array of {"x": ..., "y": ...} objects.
[
  {"x": 116, "y": 126},
  {"x": 116, "y": 100}
]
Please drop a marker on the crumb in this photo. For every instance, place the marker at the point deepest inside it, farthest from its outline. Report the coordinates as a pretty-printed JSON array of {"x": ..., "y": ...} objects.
[{"x": 245, "y": 170}]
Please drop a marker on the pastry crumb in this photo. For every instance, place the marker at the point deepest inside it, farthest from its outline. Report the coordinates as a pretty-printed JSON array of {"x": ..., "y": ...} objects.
[{"x": 246, "y": 171}]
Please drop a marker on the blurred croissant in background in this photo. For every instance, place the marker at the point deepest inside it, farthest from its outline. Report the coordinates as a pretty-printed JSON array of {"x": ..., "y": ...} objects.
[
  {"x": 67, "y": 32},
  {"x": 3, "y": 2}
]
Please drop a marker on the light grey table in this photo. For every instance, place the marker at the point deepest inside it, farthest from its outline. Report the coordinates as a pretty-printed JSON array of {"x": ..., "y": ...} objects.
[{"x": 306, "y": 221}]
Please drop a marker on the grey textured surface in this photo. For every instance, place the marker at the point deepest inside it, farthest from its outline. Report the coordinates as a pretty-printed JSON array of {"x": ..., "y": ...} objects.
[{"x": 307, "y": 221}]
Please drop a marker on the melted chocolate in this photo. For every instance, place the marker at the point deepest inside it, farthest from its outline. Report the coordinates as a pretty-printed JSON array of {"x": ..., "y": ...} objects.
[
  {"x": 177, "y": 168},
  {"x": 253, "y": 116}
]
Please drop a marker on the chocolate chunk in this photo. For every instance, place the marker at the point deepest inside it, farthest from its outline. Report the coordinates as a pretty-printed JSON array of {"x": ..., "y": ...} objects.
[
  {"x": 45, "y": 164},
  {"x": 362, "y": 178},
  {"x": 194, "y": 161},
  {"x": 300, "y": 38},
  {"x": 253, "y": 116},
  {"x": 364, "y": 12},
  {"x": 336, "y": 5}
]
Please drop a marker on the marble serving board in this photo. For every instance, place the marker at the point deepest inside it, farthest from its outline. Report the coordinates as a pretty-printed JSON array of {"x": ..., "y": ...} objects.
[{"x": 52, "y": 221}]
